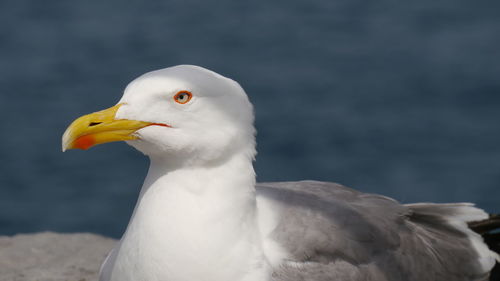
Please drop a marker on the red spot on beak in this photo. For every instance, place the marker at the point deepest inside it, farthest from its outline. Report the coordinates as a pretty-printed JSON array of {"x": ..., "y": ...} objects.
[{"x": 84, "y": 142}]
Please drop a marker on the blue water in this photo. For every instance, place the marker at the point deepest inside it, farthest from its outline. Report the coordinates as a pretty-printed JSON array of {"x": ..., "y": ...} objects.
[{"x": 400, "y": 98}]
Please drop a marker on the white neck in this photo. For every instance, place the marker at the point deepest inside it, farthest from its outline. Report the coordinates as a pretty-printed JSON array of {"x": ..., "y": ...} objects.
[{"x": 195, "y": 223}]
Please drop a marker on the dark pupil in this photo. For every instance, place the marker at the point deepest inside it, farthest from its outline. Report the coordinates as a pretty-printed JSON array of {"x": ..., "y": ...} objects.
[{"x": 182, "y": 97}]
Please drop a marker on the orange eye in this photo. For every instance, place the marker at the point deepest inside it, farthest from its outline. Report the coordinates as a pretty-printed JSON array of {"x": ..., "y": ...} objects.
[{"x": 183, "y": 97}]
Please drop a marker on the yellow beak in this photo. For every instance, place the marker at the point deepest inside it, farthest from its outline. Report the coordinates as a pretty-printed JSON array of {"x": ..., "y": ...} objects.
[{"x": 100, "y": 127}]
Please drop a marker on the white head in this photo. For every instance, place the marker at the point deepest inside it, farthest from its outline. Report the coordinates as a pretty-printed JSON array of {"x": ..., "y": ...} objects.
[{"x": 187, "y": 114}]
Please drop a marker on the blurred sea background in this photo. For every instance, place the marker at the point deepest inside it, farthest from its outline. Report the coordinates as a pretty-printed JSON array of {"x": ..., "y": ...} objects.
[{"x": 400, "y": 98}]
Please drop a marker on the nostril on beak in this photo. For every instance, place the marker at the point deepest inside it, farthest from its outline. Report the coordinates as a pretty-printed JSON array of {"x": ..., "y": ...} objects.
[{"x": 94, "y": 123}]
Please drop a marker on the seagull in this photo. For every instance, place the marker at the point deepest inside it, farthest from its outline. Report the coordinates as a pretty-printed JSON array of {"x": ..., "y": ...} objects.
[{"x": 201, "y": 215}]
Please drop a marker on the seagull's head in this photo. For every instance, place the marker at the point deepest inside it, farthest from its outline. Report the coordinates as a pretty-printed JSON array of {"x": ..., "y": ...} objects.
[{"x": 183, "y": 112}]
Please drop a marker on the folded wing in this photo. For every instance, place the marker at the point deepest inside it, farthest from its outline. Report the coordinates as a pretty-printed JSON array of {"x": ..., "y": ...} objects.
[{"x": 331, "y": 232}]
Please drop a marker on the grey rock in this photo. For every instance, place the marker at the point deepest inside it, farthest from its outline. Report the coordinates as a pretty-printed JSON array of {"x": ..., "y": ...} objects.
[{"x": 51, "y": 256}]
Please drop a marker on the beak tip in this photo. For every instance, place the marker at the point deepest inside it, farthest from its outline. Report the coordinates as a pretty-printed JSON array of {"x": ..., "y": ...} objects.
[{"x": 65, "y": 141}]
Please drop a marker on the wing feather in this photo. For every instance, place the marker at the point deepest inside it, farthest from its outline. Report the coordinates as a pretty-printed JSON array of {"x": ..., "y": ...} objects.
[{"x": 331, "y": 232}]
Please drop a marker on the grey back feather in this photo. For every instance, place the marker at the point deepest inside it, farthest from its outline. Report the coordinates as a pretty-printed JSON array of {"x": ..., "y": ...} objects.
[{"x": 336, "y": 233}]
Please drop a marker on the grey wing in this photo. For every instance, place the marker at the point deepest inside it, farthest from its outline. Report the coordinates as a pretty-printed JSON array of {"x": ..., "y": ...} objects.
[{"x": 331, "y": 232}]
